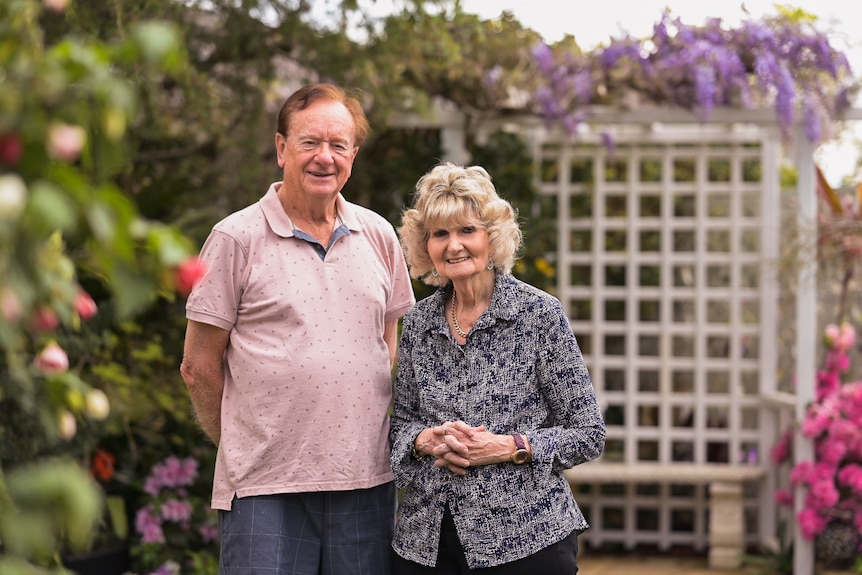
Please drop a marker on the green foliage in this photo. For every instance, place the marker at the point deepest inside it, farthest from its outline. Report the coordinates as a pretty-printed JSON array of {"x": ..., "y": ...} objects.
[
  {"x": 775, "y": 559},
  {"x": 510, "y": 164},
  {"x": 43, "y": 506},
  {"x": 66, "y": 106}
]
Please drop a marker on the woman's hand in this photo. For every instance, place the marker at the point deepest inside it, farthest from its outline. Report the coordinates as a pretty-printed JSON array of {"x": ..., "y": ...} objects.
[{"x": 462, "y": 446}]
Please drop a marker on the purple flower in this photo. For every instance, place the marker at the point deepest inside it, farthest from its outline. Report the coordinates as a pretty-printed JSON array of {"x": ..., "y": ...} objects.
[
  {"x": 149, "y": 526},
  {"x": 176, "y": 511},
  {"x": 209, "y": 532},
  {"x": 778, "y": 62},
  {"x": 705, "y": 88},
  {"x": 543, "y": 56},
  {"x": 171, "y": 472},
  {"x": 811, "y": 118}
]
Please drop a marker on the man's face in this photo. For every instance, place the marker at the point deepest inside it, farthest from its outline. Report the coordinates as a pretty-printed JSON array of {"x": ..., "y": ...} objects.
[{"x": 317, "y": 154}]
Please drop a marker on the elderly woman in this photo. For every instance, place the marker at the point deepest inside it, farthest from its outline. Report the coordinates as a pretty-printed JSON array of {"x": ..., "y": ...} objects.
[{"x": 492, "y": 398}]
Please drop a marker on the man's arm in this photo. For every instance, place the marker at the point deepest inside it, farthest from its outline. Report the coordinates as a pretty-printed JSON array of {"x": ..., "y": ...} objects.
[
  {"x": 390, "y": 336},
  {"x": 203, "y": 372}
]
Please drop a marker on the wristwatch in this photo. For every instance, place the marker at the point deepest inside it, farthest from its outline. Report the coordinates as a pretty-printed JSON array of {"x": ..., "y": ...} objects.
[{"x": 521, "y": 454}]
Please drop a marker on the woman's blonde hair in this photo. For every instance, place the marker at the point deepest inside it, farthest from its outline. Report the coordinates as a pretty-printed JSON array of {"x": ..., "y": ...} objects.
[{"x": 450, "y": 195}]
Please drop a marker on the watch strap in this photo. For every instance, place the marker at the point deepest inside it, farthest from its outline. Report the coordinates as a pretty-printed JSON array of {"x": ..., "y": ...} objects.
[
  {"x": 521, "y": 455},
  {"x": 519, "y": 441}
]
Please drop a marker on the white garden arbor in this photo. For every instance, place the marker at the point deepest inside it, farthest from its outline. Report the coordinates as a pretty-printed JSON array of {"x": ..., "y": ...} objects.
[{"x": 666, "y": 259}]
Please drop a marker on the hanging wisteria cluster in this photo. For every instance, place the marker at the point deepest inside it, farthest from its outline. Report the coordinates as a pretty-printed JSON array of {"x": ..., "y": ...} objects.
[{"x": 779, "y": 62}]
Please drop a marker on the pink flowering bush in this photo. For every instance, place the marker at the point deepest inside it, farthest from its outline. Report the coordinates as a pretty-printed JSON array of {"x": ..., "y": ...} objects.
[
  {"x": 177, "y": 531},
  {"x": 833, "y": 481}
]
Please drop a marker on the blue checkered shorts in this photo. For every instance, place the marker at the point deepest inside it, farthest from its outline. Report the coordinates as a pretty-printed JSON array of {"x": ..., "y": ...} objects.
[{"x": 321, "y": 533}]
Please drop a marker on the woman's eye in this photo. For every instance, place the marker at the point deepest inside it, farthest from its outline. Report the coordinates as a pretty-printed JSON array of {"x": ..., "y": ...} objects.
[
  {"x": 440, "y": 233},
  {"x": 468, "y": 230}
]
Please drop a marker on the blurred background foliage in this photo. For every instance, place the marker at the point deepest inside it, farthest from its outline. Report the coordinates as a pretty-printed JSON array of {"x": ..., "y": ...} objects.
[{"x": 175, "y": 105}]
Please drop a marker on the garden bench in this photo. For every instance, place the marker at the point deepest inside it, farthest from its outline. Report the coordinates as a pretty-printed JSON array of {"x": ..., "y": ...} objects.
[{"x": 725, "y": 483}]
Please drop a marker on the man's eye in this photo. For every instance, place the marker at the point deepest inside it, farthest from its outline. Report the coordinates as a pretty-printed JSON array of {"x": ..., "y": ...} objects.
[
  {"x": 340, "y": 148},
  {"x": 308, "y": 144}
]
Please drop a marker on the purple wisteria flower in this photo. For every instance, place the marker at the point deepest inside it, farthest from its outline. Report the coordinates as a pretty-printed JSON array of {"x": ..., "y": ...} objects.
[{"x": 781, "y": 62}]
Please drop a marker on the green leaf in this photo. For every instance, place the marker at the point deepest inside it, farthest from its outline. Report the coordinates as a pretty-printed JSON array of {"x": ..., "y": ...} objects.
[
  {"x": 117, "y": 512},
  {"x": 50, "y": 208},
  {"x": 159, "y": 43}
]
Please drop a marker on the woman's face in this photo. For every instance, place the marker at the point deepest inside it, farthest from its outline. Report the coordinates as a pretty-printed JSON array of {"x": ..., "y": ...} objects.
[{"x": 459, "y": 252}]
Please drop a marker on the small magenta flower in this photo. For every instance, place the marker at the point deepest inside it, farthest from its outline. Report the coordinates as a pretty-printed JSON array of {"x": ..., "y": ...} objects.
[
  {"x": 149, "y": 525},
  {"x": 176, "y": 511},
  {"x": 52, "y": 359},
  {"x": 209, "y": 532}
]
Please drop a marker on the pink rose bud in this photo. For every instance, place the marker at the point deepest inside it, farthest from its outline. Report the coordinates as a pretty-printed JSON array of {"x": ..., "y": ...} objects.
[
  {"x": 188, "y": 274},
  {"x": 56, "y": 5},
  {"x": 85, "y": 306},
  {"x": 52, "y": 359},
  {"x": 44, "y": 319},
  {"x": 10, "y": 306},
  {"x": 65, "y": 142},
  {"x": 11, "y": 149}
]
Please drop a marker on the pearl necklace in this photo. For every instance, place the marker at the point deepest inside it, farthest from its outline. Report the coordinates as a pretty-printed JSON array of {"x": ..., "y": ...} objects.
[{"x": 455, "y": 323}]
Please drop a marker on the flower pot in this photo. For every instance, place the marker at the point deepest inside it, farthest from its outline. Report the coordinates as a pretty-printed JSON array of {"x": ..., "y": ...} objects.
[
  {"x": 836, "y": 547},
  {"x": 110, "y": 561}
]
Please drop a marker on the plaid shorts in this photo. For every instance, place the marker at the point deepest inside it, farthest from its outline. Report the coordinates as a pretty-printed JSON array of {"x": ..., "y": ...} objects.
[{"x": 320, "y": 533}]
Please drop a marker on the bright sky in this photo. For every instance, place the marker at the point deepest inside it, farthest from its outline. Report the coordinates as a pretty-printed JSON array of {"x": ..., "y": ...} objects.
[{"x": 597, "y": 22}]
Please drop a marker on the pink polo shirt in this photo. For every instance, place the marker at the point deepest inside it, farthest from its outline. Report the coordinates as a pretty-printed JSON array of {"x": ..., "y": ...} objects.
[{"x": 307, "y": 378}]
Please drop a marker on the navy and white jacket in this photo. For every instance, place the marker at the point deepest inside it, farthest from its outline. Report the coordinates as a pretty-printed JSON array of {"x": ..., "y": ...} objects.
[{"x": 521, "y": 371}]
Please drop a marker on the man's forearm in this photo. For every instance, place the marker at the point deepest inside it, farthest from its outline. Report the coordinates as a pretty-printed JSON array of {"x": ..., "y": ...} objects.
[{"x": 206, "y": 396}]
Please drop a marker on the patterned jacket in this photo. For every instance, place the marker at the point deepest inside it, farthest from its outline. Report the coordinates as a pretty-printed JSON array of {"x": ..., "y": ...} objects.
[{"x": 521, "y": 371}]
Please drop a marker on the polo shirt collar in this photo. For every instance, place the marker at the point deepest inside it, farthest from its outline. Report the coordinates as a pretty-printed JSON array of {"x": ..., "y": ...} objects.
[{"x": 280, "y": 223}]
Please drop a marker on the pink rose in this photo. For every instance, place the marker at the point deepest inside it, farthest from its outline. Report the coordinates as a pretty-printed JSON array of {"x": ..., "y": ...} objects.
[
  {"x": 188, "y": 274},
  {"x": 11, "y": 149},
  {"x": 85, "y": 306},
  {"x": 52, "y": 359},
  {"x": 10, "y": 306},
  {"x": 65, "y": 142},
  {"x": 56, "y": 5},
  {"x": 44, "y": 319}
]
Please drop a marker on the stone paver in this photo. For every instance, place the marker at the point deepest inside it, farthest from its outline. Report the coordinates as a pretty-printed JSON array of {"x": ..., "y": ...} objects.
[{"x": 653, "y": 564}]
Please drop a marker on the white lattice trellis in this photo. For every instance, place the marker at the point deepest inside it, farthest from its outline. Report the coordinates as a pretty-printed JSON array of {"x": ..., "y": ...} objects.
[{"x": 665, "y": 249}]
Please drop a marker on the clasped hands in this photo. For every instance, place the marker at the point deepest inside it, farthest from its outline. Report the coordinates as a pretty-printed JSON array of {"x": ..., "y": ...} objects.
[{"x": 457, "y": 446}]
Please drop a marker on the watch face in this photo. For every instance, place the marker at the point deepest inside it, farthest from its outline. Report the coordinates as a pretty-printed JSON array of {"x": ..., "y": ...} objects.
[{"x": 520, "y": 456}]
